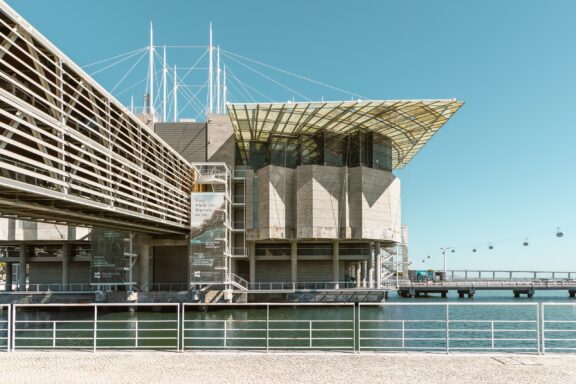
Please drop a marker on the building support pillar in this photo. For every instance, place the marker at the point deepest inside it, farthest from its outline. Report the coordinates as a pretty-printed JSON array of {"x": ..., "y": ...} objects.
[
  {"x": 364, "y": 265},
  {"x": 378, "y": 252},
  {"x": 358, "y": 274},
  {"x": 294, "y": 262},
  {"x": 144, "y": 263},
  {"x": 65, "y": 266},
  {"x": 252, "y": 261},
  {"x": 336, "y": 264},
  {"x": 371, "y": 261},
  {"x": 11, "y": 230},
  {"x": 8, "y": 286},
  {"x": 22, "y": 268}
]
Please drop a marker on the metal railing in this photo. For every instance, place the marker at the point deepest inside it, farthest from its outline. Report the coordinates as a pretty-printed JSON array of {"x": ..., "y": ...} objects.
[
  {"x": 5, "y": 326},
  {"x": 448, "y": 327},
  {"x": 258, "y": 329},
  {"x": 465, "y": 274},
  {"x": 97, "y": 327},
  {"x": 316, "y": 285},
  {"x": 378, "y": 327},
  {"x": 53, "y": 287},
  {"x": 558, "y": 327},
  {"x": 493, "y": 284},
  {"x": 170, "y": 287}
]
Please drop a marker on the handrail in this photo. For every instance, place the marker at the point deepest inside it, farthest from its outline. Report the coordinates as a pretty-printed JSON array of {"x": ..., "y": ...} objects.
[{"x": 433, "y": 327}]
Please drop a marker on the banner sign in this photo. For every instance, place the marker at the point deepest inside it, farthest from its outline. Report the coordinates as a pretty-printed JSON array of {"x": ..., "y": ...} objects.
[{"x": 207, "y": 238}]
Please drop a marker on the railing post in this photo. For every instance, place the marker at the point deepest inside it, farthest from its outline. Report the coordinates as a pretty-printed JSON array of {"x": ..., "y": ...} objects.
[
  {"x": 54, "y": 334},
  {"x": 13, "y": 327},
  {"x": 136, "y": 334},
  {"x": 492, "y": 333},
  {"x": 267, "y": 326},
  {"x": 447, "y": 328},
  {"x": 182, "y": 335},
  {"x": 310, "y": 335},
  {"x": 543, "y": 329},
  {"x": 538, "y": 329},
  {"x": 359, "y": 328},
  {"x": 94, "y": 336},
  {"x": 225, "y": 335},
  {"x": 354, "y": 327},
  {"x": 403, "y": 335},
  {"x": 178, "y": 327}
]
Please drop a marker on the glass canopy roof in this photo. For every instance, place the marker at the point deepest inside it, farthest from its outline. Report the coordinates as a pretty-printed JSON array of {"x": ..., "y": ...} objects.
[{"x": 408, "y": 123}]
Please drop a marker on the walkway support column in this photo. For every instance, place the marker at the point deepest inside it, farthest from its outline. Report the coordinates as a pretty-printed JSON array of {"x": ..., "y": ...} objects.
[
  {"x": 358, "y": 274},
  {"x": 371, "y": 266},
  {"x": 8, "y": 286},
  {"x": 144, "y": 263},
  {"x": 294, "y": 262},
  {"x": 378, "y": 252},
  {"x": 65, "y": 266},
  {"x": 252, "y": 261},
  {"x": 22, "y": 268},
  {"x": 364, "y": 271},
  {"x": 9, "y": 270},
  {"x": 336, "y": 264}
]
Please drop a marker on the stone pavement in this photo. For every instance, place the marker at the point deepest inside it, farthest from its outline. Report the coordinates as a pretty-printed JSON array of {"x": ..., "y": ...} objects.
[{"x": 227, "y": 367}]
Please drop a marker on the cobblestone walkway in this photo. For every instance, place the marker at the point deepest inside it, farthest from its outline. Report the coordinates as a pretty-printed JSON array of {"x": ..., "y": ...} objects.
[{"x": 239, "y": 368}]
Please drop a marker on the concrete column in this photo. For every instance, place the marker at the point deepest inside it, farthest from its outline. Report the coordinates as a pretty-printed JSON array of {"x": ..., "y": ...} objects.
[
  {"x": 294, "y": 261},
  {"x": 71, "y": 235},
  {"x": 65, "y": 266},
  {"x": 336, "y": 264},
  {"x": 22, "y": 268},
  {"x": 358, "y": 275},
  {"x": 8, "y": 287},
  {"x": 371, "y": 266},
  {"x": 364, "y": 265},
  {"x": 252, "y": 261},
  {"x": 378, "y": 252},
  {"x": 11, "y": 229},
  {"x": 144, "y": 263}
]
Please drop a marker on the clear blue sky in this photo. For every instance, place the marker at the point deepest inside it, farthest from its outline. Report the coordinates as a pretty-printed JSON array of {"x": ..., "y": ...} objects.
[{"x": 499, "y": 171}]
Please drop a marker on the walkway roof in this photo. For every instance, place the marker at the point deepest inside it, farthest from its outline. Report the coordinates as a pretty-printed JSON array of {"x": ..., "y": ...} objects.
[{"x": 408, "y": 123}]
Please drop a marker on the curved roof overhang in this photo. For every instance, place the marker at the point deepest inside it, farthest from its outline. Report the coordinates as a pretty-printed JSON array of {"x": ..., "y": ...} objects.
[{"x": 408, "y": 123}]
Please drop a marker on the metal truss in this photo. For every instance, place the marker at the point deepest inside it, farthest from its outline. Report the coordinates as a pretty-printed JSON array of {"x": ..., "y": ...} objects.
[{"x": 71, "y": 153}]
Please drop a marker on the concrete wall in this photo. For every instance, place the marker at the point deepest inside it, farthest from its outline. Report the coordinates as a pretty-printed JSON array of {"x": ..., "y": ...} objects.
[
  {"x": 320, "y": 192},
  {"x": 79, "y": 272},
  {"x": 317, "y": 270},
  {"x": 29, "y": 231},
  {"x": 273, "y": 271},
  {"x": 374, "y": 204},
  {"x": 276, "y": 202},
  {"x": 221, "y": 144},
  {"x": 323, "y": 202},
  {"x": 45, "y": 273},
  {"x": 188, "y": 139},
  {"x": 51, "y": 272}
]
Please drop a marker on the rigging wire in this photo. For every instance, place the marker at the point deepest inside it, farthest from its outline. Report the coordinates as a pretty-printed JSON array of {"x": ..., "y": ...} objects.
[
  {"x": 115, "y": 57},
  {"x": 244, "y": 85},
  {"x": 128, "y": 73},
  {"x": 114, "y": 64},
  {"x": 292, "y": 74},
  {"x": 269, "y": 78}
]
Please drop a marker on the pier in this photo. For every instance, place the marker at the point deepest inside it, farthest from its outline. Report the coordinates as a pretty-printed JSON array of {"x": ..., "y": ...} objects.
[{"x": 467, "y": 282}]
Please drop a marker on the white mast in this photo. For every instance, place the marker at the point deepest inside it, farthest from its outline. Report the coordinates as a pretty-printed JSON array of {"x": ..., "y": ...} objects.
[
  {"x": 151, "y": 74},
  {"x": 164, "y": 73},
  {"x": 218, "y": 89},
  {"x": 175, "y": 91},
  {"x": 132, "y": 103},
  {"x": 210, "y": 85},
  {"x": 224, "y": 91}
]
